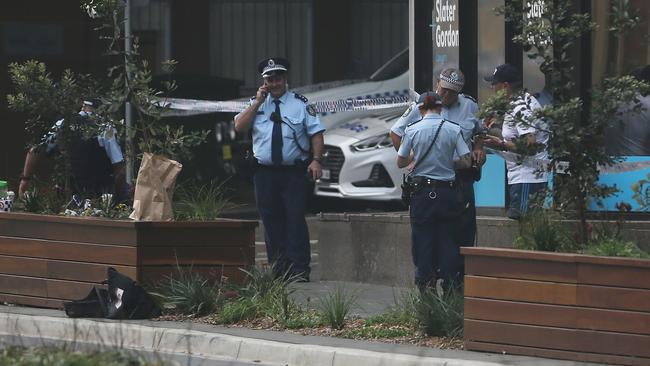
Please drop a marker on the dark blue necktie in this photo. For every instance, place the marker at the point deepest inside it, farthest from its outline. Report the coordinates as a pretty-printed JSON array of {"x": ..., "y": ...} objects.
[{"x": 276, "y": 139}]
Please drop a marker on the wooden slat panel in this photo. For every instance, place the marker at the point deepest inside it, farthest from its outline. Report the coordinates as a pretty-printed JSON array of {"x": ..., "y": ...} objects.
[
  {"x": 550, "y": 353},
  {"x": 520, "y": 290},
  {"x": 23, "y": 266},
  {"x": 27, "y": 286},
  {"x": 614, "y": 298},
  {"x": 558, "y": 293},
  {"x": 557, "y": 257},
  {"x": 557, "y": 316},
  {"x": 43, "y": 287},
  {"x": 558, "y": 338},
  {"x": 230, "y": 256},
  {"x": 62, "y": 270},
  {"x": 93, "y": 253},
  {"x": 153, "y": 274},
  {"x": 227, "y": 236},
  {"x": 31, "y": 301},
  {"x": 85, "y": 272},
  {"x": 68, "y": 290},
  {"x": 617, "y": 276},
  {"x": 90, "y": 230},
  {"x": 520, "y": 268}
]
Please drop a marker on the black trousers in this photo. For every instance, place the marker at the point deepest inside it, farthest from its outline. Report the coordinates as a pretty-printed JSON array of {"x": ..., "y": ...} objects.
[{"x": 281, "y": 193}]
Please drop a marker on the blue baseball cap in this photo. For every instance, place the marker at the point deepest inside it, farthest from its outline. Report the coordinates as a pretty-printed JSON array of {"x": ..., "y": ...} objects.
[{"x": 505, "y": 73}]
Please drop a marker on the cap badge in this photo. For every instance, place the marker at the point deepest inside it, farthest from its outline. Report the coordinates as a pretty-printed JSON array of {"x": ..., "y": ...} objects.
[
  {"x": 271, "y": 63},
  {"x": 454, "y": 76}
]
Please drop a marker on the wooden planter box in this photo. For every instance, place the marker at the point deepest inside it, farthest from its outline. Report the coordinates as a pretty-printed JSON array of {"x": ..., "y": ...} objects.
[
  {"x": 46, "y": 260},
  {"x": 566, "y": 306}
]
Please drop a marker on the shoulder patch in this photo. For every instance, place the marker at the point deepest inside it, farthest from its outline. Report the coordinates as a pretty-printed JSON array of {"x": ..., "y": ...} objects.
[
  {"x": 311, "y": 110},
  {"x": 470, "y": 97},
  {"x": 414, "y": 122},
  {"x": 301, "y": 97},
  {"x": 408, "y": 111}
]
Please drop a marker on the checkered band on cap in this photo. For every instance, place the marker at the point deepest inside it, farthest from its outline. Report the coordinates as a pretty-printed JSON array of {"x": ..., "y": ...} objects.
[{"x": 452, "y": 79}]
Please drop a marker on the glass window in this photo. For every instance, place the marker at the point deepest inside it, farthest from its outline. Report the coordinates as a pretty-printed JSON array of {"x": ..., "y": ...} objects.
[{"x": 615, "y": 56}]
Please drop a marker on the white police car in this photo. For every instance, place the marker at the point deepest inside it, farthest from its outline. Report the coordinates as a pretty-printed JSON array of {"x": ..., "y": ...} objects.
[{"x": 359, "y": 158}]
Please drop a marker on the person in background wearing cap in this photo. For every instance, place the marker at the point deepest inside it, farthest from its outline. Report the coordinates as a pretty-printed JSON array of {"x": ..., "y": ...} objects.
[
  {"x": 429, "y": 145},
  {"x": 524, "y": 180},
  {"x": 460, "y": 109},
  {"x": 284, "y": 127},
  {"x": 96, "y": 162}
]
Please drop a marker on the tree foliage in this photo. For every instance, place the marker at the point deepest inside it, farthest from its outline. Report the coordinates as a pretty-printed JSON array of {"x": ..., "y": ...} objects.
[
  {"x": 576, "y": 123},
  {"x": 131, "y": 78}
]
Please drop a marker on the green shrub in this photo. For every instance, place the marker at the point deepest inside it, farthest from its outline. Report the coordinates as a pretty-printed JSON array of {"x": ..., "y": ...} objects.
[
  {"x": 200, "y": 202},
  {"x": 612, "y": 245},
  {"x": 543, "y": 230},
  {"x": 336, "y": 306},
  {"x": 188, "y": 293},
  {"x": 440, "y": 314},
  {"x": 402, "y": 313},
  {"x": 265, "y": 295},
  {"x": 236, "y": 310}
]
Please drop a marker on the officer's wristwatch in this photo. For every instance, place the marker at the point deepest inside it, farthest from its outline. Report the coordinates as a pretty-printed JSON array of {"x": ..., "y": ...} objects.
[{"x": 318, "y": 159}]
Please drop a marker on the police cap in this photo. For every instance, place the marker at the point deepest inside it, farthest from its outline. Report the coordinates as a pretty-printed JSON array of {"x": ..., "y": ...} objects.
[{"x": 273, "y": 66}]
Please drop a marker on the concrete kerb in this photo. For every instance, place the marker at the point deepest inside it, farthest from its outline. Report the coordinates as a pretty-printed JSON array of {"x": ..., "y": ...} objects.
[{"x": 208, "y": 345}]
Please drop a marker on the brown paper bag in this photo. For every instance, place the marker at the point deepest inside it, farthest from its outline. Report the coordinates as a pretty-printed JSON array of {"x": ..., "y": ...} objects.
[{"x": 154, "y": 188}]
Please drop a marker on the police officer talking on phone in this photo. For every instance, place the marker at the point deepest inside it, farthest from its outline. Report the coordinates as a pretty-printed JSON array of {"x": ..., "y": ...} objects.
[{"x": 287, "y": 147}]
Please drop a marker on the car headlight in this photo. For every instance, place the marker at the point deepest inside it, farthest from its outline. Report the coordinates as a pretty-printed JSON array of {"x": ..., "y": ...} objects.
[{"x": 372, "y": 143}]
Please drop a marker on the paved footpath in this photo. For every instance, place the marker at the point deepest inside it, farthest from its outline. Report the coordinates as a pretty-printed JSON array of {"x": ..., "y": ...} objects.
[{"x": 243, "y": 345}]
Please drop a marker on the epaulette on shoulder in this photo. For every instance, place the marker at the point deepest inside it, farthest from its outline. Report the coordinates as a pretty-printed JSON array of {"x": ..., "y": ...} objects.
[
  {"x": 470, "y": 97},
  {"x": 414, "y": 122},
  {"x": 301, "y": 97}
]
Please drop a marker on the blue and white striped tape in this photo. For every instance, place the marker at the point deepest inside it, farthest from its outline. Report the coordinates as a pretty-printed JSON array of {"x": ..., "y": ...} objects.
[{"x": 188, "y": 107}]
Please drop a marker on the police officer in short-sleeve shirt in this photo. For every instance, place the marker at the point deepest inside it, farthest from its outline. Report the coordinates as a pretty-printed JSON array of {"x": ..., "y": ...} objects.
[
  {"x": 96, "y": 159},
  {"x": 429, "y": 145},
  {"x": 287, "y": 147},
  {"x": 460, "y": 109}
]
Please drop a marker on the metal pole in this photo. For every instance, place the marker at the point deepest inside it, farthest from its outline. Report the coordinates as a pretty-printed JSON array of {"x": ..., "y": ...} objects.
[{"x": 128, "y": 116}]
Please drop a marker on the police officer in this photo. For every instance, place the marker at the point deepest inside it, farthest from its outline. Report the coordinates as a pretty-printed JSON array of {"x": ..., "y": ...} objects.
[
  {"x": 460, "y": 109},
  {"x": 429, "y": 146},
  {"x": 96, "y": 159},
  {"x": 284, "y": 127}
]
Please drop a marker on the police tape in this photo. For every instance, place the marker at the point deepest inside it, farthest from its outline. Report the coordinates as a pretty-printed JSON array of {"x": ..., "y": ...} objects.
[{"x": 189, "y": 107}]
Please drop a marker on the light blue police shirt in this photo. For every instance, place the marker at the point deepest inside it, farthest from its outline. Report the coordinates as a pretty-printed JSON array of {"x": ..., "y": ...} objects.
[
  {"x": 299, "y": 123},
  {"x": 462, "y": 112},
  {"x": 439, "y": 162},
  {"x": 106, "y": 139}
]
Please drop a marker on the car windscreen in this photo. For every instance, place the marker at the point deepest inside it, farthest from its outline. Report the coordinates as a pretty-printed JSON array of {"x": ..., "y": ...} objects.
[{"x": 395, "y": 67}]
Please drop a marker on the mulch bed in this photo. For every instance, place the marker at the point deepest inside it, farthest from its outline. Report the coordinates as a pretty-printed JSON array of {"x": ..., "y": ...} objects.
[{"x": 417, "y": 339}]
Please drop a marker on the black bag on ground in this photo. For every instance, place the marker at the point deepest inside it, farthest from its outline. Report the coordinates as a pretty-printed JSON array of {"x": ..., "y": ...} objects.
[
  {"x": 95, "y": 305},
  {"x": 124, "y": 299},
  {"x": 128, "y": 300}
]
